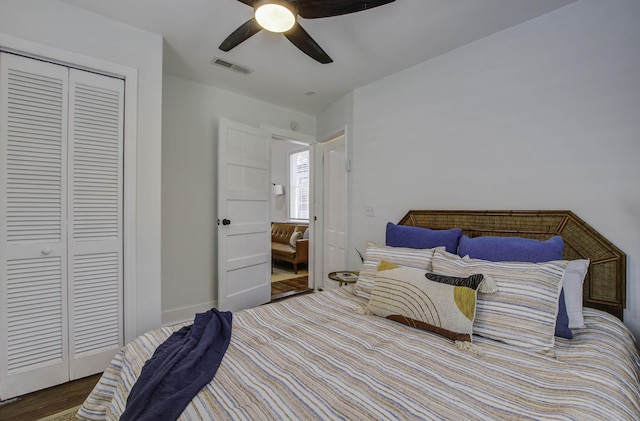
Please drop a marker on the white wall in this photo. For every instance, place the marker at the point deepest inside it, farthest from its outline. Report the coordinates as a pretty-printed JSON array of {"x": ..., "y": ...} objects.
[
  {"x": 65, "y": 27},
  {"x": 279, "y": 155},
  {"x": 335, "y": 118},
  {"x": 189, "y": 186},
  {"x": 545, "y": 115}
]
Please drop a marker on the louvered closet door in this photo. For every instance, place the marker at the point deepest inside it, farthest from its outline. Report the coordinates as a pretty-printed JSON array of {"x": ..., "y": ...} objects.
[
  {"x": 96, "y": 106},
  {"x": 33, "y": 288},
  {"x": 61, "y": 240}
]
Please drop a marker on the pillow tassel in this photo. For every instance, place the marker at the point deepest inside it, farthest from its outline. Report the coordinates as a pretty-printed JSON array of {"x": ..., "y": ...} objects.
[
  {"x": 488, "y": 285},
  {"x": 468, "y": 346},
  {"x": 362, "y": 310}
]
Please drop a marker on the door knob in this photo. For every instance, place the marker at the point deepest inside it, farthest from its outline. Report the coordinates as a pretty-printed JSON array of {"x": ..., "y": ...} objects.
[
  {"x": 46, "y": 251},
  {"x": 225, "y": 221}
]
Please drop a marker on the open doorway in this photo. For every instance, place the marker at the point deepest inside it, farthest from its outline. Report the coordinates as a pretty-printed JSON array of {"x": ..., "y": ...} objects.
[{"x": 290, "y": 216}]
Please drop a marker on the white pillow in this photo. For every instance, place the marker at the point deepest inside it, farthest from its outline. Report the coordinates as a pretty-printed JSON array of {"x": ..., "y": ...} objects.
[
  {"x": 572, "y": 281},
  {"x": 523, "y": 311},
  {"x": 294, "y": 238},
  {"x": 401, "y": 256}
]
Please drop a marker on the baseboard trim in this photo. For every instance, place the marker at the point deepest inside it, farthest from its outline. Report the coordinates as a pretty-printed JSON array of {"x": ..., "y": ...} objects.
[{"x": 185, "y": 314}]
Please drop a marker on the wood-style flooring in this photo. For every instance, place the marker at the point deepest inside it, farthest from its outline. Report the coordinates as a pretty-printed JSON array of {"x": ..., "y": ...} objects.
[
  {"x": 289, "y": 288},
  {"x": 43, "y": 403}
]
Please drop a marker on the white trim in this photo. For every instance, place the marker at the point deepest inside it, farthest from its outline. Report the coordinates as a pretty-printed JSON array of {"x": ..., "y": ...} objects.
[
  {"x": 289, "y": 134},
  {"x": 311, "y": 141},
  {"x": 130, "y": 209},
  {"x": 130, "y": 75},
  {"x": 185, "y": 314}
]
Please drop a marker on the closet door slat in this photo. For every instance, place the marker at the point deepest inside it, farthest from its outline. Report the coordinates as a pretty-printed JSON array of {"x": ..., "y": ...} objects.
[{"x": 34, "y": 164}]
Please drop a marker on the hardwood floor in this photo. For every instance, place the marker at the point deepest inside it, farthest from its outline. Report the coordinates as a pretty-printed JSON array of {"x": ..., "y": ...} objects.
[
  {"x": 49, "y": 401},
  {"x": 289, "y": 287},
  {"x": 285, "y": 283}
]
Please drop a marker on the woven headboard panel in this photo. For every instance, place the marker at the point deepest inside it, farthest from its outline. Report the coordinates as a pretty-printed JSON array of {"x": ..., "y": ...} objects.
[{"x": 605, "y": 284}]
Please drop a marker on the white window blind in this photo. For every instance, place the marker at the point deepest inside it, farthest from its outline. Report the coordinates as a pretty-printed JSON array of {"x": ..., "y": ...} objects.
[{"x": 299, "y": 185}]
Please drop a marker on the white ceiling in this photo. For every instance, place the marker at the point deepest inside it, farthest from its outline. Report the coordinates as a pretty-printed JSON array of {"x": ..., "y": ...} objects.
[{"x": 364, "y": 46}]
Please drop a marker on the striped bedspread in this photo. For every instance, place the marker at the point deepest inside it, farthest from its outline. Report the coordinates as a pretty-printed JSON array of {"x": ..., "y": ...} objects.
[{"x": 320, "y": 357}]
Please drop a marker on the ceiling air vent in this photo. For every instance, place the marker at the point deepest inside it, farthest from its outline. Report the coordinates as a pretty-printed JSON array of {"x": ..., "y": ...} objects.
[{"x": 231, "y": 66}]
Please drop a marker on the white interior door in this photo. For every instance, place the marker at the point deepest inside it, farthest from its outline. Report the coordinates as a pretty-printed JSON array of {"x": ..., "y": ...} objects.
[
  {"x": 334, "y": 203},
  {"x": 244, "y": 226}
]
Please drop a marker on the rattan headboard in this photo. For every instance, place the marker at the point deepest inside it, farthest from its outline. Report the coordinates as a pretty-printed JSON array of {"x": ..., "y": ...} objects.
[{"x": 605, "y": 284}]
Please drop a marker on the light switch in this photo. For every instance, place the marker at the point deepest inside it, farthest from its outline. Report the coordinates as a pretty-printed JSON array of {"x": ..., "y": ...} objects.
[{"x": 370, "y": 210}]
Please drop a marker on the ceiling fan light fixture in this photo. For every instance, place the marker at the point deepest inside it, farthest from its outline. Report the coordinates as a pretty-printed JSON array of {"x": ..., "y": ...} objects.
[{"x": 275, "y": 15}]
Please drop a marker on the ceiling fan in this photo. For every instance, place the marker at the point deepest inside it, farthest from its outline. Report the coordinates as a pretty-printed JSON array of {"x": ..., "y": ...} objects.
[{"x": 281, "y": 16}]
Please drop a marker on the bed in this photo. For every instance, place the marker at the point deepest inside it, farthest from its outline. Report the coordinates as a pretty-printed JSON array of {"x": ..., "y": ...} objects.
[{"x": 325, "y": 356}]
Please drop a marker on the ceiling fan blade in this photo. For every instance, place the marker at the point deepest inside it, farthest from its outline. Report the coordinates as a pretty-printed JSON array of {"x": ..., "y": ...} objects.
[
  {"x": 301, "y": 39},
  {"x": 313, "y": 9},
  {"x": 247, "y": 2},
  {"x": 244, "y": 32}
]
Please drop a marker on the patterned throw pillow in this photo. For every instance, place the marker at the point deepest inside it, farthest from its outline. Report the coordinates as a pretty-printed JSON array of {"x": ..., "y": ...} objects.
[
  {"x": 408, "y": 296},
  {"x": 523, "y": 311},
  {"x": 374, "y": 254},
  {"x": 479, "y": 282}
]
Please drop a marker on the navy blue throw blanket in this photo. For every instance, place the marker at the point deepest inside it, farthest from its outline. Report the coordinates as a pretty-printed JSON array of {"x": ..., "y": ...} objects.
[{"x": 179, "y": 368}]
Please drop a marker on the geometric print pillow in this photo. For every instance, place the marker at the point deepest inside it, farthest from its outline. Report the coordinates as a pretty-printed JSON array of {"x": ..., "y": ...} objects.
[
  {"x": 407, "y": 296},
  {"x": 523, "y": 310}
]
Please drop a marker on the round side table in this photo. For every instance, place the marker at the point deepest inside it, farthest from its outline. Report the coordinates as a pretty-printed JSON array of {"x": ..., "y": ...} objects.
[{"x": 335, "y": 276}]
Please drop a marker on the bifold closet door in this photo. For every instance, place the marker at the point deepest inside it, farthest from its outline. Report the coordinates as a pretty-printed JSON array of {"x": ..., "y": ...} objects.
[
  {"x": 95, "y": 264},
  {"x": 33, "y": 240},
  {"x": 61, "y": 265}
]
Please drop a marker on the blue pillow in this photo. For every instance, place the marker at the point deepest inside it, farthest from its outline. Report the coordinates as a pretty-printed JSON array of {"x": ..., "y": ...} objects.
[
  {"x": 511, "y": 249},
  {"x": 517, "y": 249},
  {"x": 422, "y": 238},
  {"x": 562, "y": 319}
]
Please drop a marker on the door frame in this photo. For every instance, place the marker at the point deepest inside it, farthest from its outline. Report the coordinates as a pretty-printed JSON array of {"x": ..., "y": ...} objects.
[
  {"x": 130, "y": 75},
  {"x": 276, "y": 132}
]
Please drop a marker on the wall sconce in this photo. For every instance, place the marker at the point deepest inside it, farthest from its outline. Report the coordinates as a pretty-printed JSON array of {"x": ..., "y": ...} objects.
[{"x": 278, "y": 189}]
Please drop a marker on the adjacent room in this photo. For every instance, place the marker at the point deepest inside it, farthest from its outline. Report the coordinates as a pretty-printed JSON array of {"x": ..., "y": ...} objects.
[
  {"x": 290, "y": 233},
  {"x": 376, "y": 201}
]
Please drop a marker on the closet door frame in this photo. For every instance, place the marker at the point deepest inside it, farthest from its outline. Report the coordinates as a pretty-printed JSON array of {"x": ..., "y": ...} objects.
[{"x": 130, "y": 76}]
